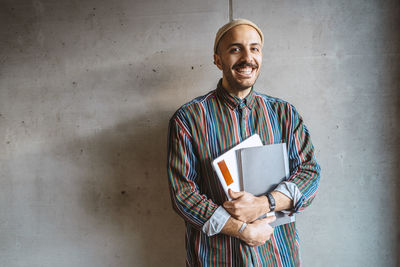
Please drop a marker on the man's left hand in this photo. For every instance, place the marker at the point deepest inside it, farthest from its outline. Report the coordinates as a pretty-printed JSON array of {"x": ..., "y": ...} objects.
[{"x": 245, "y": 206}]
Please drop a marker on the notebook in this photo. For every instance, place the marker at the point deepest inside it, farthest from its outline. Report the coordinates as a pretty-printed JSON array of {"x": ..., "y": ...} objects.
[
  {"x": 261, "y": 169},
  {"x": 254, "y": 168}
]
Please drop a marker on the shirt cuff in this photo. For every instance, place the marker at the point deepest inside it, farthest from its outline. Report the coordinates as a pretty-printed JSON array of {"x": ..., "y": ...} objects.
[
  {"x": 216, "y": 222},
  {"x": 291, "y": 190}
]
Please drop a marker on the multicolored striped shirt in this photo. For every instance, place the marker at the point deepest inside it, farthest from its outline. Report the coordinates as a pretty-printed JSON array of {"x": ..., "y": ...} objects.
[{"x": 210, "y": 125}]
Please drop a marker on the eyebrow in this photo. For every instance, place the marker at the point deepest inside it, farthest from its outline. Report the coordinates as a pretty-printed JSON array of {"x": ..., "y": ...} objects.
[{"x": 239, "y": 44}]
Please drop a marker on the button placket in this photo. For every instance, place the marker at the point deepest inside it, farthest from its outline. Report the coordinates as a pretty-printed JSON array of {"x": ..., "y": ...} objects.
[{"x": 243, "y": 115}]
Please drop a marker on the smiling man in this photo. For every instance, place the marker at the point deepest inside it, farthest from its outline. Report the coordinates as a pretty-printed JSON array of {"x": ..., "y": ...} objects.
[
  {"x": 227, "y": 233},
  {"x": 239, "y": 56}
]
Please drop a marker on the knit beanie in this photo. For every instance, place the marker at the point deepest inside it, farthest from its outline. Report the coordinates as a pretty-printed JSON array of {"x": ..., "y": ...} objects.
[{"x": 224, "y": 29}]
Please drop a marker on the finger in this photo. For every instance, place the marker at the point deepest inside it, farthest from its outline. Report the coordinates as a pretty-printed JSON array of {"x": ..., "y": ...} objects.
[
  {"x": 234, "y": 195},
  {"x": 228, "y": 204}
]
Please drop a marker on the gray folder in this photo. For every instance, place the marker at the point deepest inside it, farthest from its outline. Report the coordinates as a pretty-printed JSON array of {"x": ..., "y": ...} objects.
[{"x": 261, "y": 169}]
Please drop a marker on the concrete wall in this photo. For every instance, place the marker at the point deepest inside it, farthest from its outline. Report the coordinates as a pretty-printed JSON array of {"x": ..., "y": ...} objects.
[{"x": 86, "y": 91}]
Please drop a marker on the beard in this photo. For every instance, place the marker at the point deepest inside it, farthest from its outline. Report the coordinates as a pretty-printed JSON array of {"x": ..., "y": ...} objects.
[{"x": 236, "y": 83}]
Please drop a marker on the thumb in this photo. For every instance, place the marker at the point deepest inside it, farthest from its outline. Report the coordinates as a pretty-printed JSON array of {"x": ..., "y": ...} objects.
[{"x": 234, "y": 195}]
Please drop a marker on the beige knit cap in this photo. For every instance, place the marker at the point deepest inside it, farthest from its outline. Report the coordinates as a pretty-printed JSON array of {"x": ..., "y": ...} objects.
[{"x": 232, "y": 24}]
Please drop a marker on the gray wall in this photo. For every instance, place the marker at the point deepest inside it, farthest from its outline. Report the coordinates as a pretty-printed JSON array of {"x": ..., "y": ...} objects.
[{"x": 86, "y": 91}]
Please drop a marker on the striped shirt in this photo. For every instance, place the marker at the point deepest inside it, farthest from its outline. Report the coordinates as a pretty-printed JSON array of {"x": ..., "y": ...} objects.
[{"x": 210, "y": 125}]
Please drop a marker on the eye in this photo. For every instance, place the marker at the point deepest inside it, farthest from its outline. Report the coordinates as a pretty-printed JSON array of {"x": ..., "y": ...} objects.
[
  {"x": 235, "y": 50},
  {"x": 255, "y": 49}
]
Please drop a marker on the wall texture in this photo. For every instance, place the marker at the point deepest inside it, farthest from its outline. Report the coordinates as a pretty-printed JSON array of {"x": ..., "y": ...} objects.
[{"x": 86, "y": 91}]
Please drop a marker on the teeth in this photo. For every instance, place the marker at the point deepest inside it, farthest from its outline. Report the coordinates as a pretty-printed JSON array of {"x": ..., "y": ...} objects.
[{"x": 245, "y": 70}]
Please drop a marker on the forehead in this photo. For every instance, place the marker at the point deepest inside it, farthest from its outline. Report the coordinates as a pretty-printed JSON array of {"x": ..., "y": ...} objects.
[{"x": 241, "y": 34}]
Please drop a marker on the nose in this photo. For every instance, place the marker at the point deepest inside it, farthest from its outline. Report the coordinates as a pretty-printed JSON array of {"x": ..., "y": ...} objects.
[{"x": 246, "y": 55}]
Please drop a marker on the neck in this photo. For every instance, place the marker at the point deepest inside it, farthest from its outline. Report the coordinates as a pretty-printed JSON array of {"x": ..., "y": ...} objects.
[{"x": 240, "y": 93}]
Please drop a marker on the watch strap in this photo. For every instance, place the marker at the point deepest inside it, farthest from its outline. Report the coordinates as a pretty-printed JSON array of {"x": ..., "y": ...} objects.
[{"x": 271, "y": 201}]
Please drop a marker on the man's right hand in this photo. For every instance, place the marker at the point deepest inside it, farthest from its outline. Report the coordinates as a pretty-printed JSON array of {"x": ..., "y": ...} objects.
[{"x": 258, "y": 232}]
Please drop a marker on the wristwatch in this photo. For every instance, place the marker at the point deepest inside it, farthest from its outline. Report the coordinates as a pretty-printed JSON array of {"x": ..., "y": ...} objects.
[{"x": 271, "y": 200}]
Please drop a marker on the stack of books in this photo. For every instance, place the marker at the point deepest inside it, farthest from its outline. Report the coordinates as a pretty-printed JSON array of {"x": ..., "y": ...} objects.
[{"x": 252, "y": 167}]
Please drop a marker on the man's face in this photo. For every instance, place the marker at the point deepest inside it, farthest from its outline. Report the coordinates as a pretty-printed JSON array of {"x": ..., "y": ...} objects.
[{"x": 239, "y": 56}]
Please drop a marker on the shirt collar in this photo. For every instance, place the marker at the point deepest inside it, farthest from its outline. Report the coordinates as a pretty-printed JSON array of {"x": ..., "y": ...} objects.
[{"x": 232, "y": 101}]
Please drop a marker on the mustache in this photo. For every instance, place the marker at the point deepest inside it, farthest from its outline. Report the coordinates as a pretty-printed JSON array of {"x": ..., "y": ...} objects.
[{"x": 245, "y": 64}]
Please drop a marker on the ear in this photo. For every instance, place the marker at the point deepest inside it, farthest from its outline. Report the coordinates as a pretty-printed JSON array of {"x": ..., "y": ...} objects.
[{"x": 217, "y": 61}]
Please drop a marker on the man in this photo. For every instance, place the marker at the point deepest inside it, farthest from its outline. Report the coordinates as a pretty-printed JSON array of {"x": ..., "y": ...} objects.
[{"x": 227, "y": 233}]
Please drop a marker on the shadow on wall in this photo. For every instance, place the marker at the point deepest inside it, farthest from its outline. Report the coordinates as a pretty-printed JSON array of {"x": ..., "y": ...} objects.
[
  {"x": 124, "y": 191},
  {"x": 396, "y": 189},
  {"x": 391, "y": 130}
]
